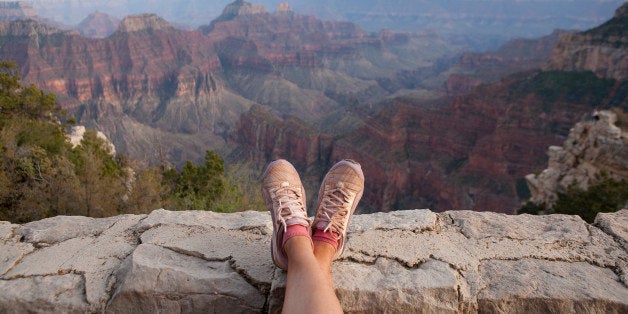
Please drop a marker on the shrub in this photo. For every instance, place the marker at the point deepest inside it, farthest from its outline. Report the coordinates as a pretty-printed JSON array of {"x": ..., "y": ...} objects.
[
  {"x": 531, "y": 208},
  {"x": 196, "y": 187},
  {"x": 242, "y": 191},
  {"x": 563, "y": 86},
  {"x": 608, "y": 195}
]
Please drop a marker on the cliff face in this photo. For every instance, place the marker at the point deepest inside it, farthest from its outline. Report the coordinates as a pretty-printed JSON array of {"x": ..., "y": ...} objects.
[
  {"x": 113, "y": 69},
  {"x": 146, "y": 86},
  {"x": 592, "y": 148},
  {"x": 407, "y": 261},
  {"x": 601, "y": 50},
  {"x": 518, "y": 55},
  {"x": 152, "y": 87},
  {"x": 16, "y": 10},
  {"x": 466, "y": 152}
]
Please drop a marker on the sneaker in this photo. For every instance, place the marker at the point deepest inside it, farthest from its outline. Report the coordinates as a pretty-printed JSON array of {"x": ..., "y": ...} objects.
[
  {"x": 284, "y": 196},
  {"x": 338, "y": 197}
]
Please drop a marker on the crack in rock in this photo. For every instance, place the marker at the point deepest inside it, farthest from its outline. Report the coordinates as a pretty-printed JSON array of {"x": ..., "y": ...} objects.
[
  {"x": 60, "y": 272},
  {"x": 187, "y": 273},
  {"x": 403, "y": 263},
  {"x": 262, "y": 287}
]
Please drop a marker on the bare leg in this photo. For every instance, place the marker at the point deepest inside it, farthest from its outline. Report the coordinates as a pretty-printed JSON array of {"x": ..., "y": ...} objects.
[
  {"x": 324, "y": 253},
  {"x": 308, "y": 285}
]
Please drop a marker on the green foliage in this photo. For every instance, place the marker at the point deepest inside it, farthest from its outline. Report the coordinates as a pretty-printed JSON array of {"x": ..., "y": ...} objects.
[
  {"x": 94, "y": 149},
  {"x": 196, "y": 187},
  {"x": 42, "y": 134},
  {"x": 40, "y": 173},
  {"x": 523, "y": 192},
  {"x": 242, "y": 191},
  {"x": 147, "y": 193},
  {"x": 570, "y": 87},
  {"x": 9, "y": 80},
  {"x": 608, "y": 195},
  {"x": 30, "y": 102},
  {"x": 531, "y": 208}
]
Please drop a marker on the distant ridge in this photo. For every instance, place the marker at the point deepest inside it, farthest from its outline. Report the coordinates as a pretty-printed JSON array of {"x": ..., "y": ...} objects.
[
  {"x": 505, "y": 19},
  {"x": 98, "y": 25},
  {"x": 135, "y": 23},
  {"x": 16, "y": 10},
  {"x": 603, "y": 50},
  {"x": 240, "y": 8}
]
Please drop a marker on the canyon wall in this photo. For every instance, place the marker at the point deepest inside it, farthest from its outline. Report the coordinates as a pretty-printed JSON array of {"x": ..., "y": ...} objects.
[
  {"x": 601, "y": 49},
  {"x": 14, "y": 10},
  {"x": 405, "y": 261},
  {"x": 430, "y": 131}
]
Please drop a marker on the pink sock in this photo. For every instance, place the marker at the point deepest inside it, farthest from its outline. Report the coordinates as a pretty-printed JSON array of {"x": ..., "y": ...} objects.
[
  {"x": 293, "y": 231},
  {"x": 329, "y": 237}
]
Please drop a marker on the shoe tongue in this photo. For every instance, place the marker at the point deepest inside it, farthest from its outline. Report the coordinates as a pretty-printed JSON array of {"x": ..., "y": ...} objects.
[
  {"x": 297, "y": 220},
  {"x": 339, "y": 185},
  {"x": 321, "y": 225},
  {"x": 287, "y": 191}
]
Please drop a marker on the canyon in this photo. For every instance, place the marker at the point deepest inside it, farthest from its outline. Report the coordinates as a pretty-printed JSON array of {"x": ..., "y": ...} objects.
[{"x": 432, "y": 126}]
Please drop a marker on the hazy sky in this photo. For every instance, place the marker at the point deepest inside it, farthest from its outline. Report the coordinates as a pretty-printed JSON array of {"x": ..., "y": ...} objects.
[{"x": 545, "y": 15}]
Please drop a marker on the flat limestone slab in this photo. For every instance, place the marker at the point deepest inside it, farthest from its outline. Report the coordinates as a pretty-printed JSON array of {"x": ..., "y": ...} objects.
[
  {"x": 615, "y": 224},
  {"x": 399, "y": 262},
  {"x": 539, "y": 286},
  {"x": 175, "y": 282},
  {"x": 43, "y": 294},
  {"x": 13, "y": 250}
]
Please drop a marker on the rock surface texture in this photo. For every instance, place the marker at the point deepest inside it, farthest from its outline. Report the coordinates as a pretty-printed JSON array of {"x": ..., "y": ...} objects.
[{"x": 404, "y": 261}]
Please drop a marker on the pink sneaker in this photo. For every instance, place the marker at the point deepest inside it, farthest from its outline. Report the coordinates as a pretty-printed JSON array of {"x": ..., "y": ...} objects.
[
  {"x": 285, "y": 199},
  {"x": 338, "y": 197}
]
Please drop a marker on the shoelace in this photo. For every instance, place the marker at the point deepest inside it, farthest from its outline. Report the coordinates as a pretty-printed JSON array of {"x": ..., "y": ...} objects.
[
  {"x": 289, "y": 205},
  {"x": 335, "y": 208}
]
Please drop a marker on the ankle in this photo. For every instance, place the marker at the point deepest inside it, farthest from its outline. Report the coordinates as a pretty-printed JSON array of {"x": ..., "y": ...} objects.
[
  {"x": 295, "y": 231},
  {"x": 298, "y": 249},
  {"x": 329, "y": 237}
]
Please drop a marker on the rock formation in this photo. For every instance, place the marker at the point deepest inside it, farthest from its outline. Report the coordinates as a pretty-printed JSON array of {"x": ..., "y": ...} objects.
[
  {"x": 406, "y": 261},
  {"x": 517, "y": 55},
  {"x": 241, "y": 7},
  {"x": 16, "y": 10},
  {"x": 601, "y": 49},
  {"x": 592, "y": 148},
  {"x": 142, "y": 22},
  {"x": 283, "y": 7},
  {"x": 75, "y": 136}
]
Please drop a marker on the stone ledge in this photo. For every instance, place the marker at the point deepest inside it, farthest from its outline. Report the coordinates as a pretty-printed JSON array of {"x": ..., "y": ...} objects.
[{"x": 404, "y": 261}]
